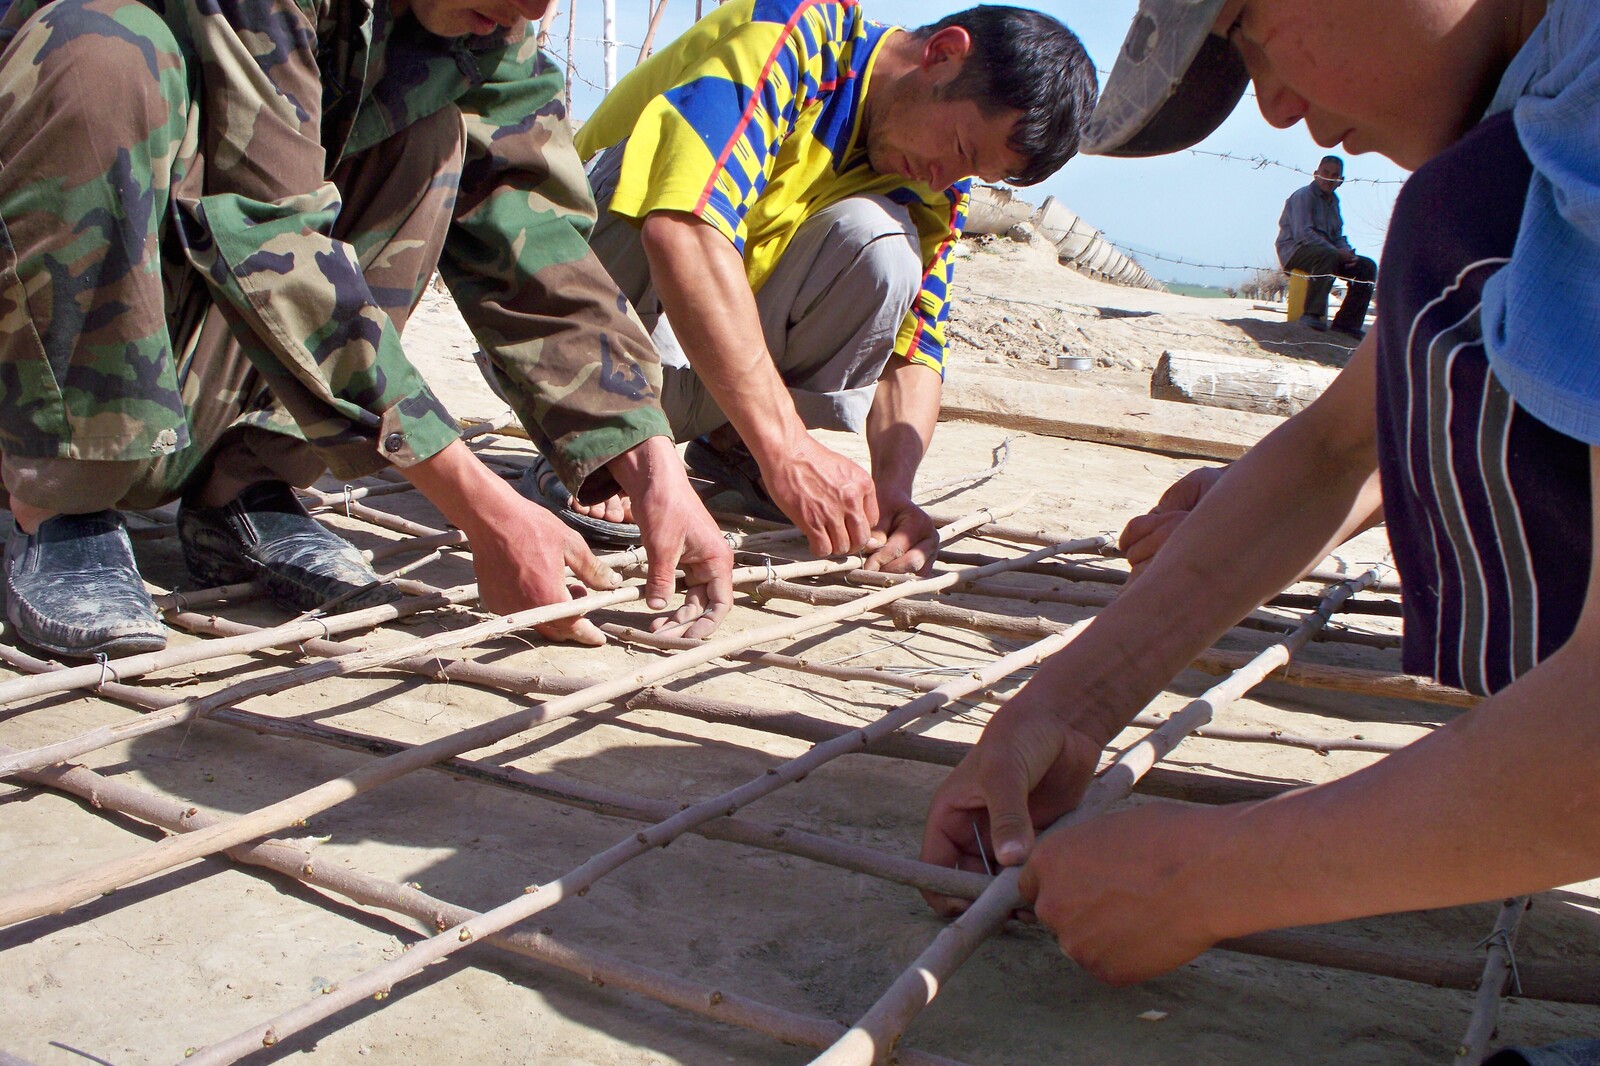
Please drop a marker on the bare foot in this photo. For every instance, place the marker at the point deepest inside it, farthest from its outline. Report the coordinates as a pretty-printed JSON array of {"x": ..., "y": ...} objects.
[{"x": 617, "y": 508}]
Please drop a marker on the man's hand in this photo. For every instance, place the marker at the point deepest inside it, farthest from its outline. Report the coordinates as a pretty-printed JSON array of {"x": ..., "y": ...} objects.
[
  {"x": 519, "y": 550},
  {"x": 1029, "y": 768},
  {"x": 677, "y": 532},
  {"x": 910, "y": 539},
  {"x": 1143, "y": 536},
  {"x": 1126, "y": 894},
  {"x": 519, "y": 559},
  {"x": 830, "y": 498}
]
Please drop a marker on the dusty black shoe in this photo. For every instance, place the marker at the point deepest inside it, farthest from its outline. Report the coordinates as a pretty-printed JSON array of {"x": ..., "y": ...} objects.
[
  {"x": 72, "y": 588},
  {"x": 734, "y": 480},
  {"x": 265, "y": 535}
]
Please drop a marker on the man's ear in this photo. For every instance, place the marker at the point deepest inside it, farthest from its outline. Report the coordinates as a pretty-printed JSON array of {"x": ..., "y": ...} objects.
[{"x": 951, "y": 44}]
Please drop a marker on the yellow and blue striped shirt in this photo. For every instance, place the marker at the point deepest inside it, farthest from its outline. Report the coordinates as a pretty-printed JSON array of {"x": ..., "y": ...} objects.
[{"x": 751, "y": 122}]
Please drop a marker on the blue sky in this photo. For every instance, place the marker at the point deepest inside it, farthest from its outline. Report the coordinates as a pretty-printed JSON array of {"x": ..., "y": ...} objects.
[{"x": 1184, "y": 206}]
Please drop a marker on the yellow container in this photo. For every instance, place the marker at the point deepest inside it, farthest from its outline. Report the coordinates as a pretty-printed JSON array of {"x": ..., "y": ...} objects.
[{"x": 1298, "y": 281}]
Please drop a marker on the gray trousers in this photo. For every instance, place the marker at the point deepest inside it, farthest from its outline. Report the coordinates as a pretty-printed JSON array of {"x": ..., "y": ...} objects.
[{"x": 830, "y": 310}]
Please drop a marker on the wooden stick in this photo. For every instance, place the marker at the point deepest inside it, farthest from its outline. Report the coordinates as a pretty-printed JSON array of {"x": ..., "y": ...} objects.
[
  {"x": 296, "y": 631},
  {"x": 578, "y": 880},
  {"x": 873, "y": 1038},
  {"x": 1103, "y": 575},
  {"x": 95, "y": 674},
  {"x": 572, "y": 10},
  {"x": 362, "y": 660},
  {"x": 650, "y": 31},
  {"x": 1499, "y": 973},
  {"x": 1556, "y": 982},
  {"x": 617, "y": 802},
  {"x": 57, "y": 896},
  {"x": 1162, "y": 782},
  {"x": 907, "y": 614},
  {"x": 950, "y": 527},
  {"x": 880, "y": 676},
  {"x": 1091, "y": 596},
  {"x": 1002, "y": 456},
  {"x": 294, "y": 861},
  {"x": 543, "y": 38}
]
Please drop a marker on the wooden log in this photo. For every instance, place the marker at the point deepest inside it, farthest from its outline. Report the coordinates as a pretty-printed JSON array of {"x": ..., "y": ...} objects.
[
  {"x": 1238, "y": 383},
  {"x": 1091, "y": 595},
  {"x": 1104, "y": 418}
]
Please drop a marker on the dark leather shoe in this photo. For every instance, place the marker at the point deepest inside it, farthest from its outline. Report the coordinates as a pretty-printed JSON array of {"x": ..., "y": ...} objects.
[
  {"x": 734, "y": 479},
  {"x": 266, "y": 535},
  {"x": 72, "y": 588}
]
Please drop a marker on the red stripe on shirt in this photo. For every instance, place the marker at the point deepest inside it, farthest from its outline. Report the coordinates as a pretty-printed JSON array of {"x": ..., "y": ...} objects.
[{"x": 749, "y": 109}]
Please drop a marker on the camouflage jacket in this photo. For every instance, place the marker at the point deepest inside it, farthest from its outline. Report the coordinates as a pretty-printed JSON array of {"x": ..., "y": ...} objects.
[{"x": 286, "y": 89}]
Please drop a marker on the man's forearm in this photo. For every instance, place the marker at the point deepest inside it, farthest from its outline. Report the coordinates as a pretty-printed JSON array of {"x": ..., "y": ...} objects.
[
  {"x": 703, "y": 288},
  {"x": 1503, "y": 801},
  {"x": 900, "y": 424}
]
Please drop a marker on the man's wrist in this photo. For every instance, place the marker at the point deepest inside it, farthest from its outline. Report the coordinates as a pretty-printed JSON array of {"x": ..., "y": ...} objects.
[{"x": 639, "y": 466}]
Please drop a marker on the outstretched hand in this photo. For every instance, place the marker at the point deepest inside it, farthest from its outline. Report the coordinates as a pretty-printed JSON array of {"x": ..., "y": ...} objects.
[
  {"x": 909, "y": 537},
  {"x": 520, "y": 559},
  {"x": 1132, "y": 895},
  {"x": 1029, "y": 768},
  {"x": 1144, "y": 535},
  {"x": 677, "y": 531},
  {"x": 831, "y": 499}
]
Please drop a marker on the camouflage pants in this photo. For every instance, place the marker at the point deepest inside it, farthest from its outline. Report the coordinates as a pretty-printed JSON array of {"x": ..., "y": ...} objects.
[{"x": 109, "y": 339}]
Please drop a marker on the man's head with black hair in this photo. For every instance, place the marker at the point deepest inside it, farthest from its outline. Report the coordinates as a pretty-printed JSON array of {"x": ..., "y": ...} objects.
[
  {"x": 1024, "y": 60},
  {"x": 997, "y": 93}
]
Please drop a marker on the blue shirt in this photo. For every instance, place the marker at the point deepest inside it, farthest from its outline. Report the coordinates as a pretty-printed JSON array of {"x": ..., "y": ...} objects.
[{"x": 1541, "y": 313}]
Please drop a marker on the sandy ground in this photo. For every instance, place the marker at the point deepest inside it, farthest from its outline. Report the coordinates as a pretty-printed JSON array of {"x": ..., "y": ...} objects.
[{"x": 194, "y": 955}]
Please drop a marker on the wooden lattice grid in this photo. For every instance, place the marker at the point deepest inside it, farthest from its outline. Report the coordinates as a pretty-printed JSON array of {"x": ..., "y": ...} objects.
[{"x": 969, "y": 637}]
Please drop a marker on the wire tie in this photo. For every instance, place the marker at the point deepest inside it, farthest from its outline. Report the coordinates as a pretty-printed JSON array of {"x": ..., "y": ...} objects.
[
  {"x": 982, "y": 854},
  {"x": 347, "y": 499},
  {"x": 1502, "y": 937},
  {"x": 772, "y": 574},
  {"x": 105, "y": 668},
  {"x": 633, "y": 553}
]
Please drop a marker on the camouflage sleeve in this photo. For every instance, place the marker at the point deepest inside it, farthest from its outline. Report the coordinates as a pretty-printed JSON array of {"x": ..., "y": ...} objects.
[
  {"x": 564, "y": 343},
  {"x": 260, "y": 234}
]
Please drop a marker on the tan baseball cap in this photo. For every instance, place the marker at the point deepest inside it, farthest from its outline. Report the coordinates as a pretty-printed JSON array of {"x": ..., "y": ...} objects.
[{"x": 1173, "y": 83}]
